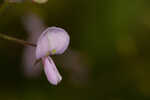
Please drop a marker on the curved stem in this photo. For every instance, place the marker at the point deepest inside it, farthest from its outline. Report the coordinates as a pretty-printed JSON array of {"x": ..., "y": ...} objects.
[{"x": 17, "y": 40}]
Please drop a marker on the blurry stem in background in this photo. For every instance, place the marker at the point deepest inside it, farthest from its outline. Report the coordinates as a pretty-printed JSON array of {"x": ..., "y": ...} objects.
[{"x": 17, "y": 40}]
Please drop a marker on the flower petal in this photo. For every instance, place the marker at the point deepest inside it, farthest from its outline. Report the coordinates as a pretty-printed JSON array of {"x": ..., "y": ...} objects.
[
  {"x": 42, "y": 47},
  {"x": 52, "y": 41},
  {"x": 51, "y": 71}
]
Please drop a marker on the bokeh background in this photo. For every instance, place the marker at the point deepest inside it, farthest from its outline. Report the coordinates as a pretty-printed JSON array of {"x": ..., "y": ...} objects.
[{"x": 108, "y": 57}]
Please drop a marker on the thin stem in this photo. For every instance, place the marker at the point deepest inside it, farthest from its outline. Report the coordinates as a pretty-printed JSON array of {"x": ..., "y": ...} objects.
[{"x": 17, "y": 40}]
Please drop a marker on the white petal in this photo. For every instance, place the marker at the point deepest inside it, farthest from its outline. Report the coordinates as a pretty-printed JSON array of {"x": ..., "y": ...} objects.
[
  {"x": 52, "y": 39},
  {"x": 51, "y": 71}
]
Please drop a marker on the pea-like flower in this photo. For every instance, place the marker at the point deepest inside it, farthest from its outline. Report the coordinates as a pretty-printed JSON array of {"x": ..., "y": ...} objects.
[{"x": 52, "y": 41}]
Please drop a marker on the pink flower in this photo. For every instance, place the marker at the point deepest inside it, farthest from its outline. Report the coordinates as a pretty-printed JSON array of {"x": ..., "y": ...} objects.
[{"x": 52, "y": 41}]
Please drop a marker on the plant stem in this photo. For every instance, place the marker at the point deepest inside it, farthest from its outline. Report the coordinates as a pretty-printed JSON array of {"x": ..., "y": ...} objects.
[{"x": 17, "y": 40}]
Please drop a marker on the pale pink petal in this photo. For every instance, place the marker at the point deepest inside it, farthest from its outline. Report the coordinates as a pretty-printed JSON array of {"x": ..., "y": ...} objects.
[
  {"x": 42, "y": 47},
  {"x": 51, "y": 71},
  {"x": 52, "y": 39}
]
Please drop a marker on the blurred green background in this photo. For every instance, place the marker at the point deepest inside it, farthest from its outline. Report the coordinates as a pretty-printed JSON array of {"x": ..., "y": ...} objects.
[{"x": 111, "y": 40}]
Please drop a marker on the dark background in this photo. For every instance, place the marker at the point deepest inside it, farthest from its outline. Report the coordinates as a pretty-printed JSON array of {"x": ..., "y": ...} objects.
[{"x": 111, "y": 40}]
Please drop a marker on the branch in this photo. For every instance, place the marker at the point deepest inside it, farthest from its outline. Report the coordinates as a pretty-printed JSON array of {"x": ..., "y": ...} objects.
[{"x": 17, "y": 40}]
